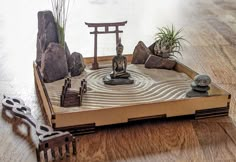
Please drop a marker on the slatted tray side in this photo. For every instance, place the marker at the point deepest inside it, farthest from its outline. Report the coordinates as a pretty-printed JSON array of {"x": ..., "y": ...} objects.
[
  {"x": 42, "y": 92},
  {"x": 101, "y": 117}
]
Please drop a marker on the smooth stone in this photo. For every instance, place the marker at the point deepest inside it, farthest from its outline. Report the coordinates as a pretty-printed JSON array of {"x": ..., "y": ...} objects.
[
  {"x": 202, "y": 80},
  {"x": 199, "y": 88},
  {"x": 193, "y": 93},
  {"x": 120, "y": 81},
  {"x": 159, "y": 62},
  {"x": 141, "y": 53},
  {"x": 47, "y": 33},
  {"x": 54, "y": 64},
  {"x": 76, "y": 64}
]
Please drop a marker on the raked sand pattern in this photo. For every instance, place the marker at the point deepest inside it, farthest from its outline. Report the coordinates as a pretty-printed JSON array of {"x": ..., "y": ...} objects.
[{"x": 150, "y": 85}]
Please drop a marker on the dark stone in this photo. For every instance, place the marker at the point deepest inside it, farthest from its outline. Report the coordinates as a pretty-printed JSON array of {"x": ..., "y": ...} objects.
[
  {"x": 151, "y": 47},
  {"x": 199, "y": 88},
  {"x": 193, "y": 93},
  {"x": 117, "y": 81},
  {"x": 54, "y": 64},
  {"x": 159, "y": 62},
  {"x": 67, "y": 54},
  {"x": 47, "y": 33},
  {"x": 202, "y": 80},
  {"x": 76, "y": 64},
  {"x": 140, "y": 54}
]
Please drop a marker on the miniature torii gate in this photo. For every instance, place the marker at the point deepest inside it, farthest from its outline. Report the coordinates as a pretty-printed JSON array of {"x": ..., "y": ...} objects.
[{"x": 106, "y": 31}]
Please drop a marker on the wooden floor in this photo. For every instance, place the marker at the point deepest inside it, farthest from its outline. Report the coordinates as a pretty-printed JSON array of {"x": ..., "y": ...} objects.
[{"x": 211, "y": 31}]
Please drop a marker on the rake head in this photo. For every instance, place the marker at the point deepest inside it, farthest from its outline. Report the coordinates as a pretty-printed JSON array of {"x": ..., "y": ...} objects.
[{"x": 53, "y": 141}]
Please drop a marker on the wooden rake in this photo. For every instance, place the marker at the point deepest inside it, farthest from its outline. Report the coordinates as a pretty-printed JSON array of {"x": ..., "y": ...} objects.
[{"x": 49, "y": 140}]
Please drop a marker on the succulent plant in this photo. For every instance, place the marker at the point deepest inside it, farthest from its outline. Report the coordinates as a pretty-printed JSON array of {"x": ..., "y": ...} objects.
[{"x": 168, "y": 42}]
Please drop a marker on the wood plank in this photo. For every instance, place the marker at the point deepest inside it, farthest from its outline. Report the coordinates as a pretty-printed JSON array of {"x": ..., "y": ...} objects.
[
  {"x": 223, "y": 29},
  {"x": 157, "y": 141},
  {"x": 212, "y": 58},
  {"x": 230, "y": 130},
  {"x": 215, "y": 142}
]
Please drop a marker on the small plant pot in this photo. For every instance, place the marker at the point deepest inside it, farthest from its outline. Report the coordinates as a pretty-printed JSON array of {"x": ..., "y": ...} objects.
[{"x": 160, "y": 62}]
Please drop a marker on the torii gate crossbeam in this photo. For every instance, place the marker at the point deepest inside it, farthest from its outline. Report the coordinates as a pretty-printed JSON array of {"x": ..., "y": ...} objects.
[{"x": 106, "y": 30}]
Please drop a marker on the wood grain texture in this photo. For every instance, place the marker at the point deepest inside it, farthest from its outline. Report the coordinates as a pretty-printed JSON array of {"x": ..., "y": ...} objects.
[
  {"x": 158, "y": 141},
  {"x": 210, "y": 27}
]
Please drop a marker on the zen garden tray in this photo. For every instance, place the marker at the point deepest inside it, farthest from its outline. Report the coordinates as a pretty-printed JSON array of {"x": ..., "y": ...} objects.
[{"x": 156, "y": 93}]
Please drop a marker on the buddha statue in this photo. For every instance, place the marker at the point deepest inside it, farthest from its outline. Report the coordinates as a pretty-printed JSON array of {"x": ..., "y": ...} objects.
[
  {"x": 119, "y": 75},
  {"x": 119, "y": 64}
]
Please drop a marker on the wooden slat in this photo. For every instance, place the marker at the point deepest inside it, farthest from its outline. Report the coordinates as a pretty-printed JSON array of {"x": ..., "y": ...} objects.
[
  {"x": 122, "y": 114},
  {"x": 43, "y": 94}
]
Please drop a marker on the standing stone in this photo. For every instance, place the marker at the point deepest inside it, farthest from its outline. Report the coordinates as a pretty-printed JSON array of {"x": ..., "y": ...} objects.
[
  {"x": 159, "y": 62},
  {"x": 54, "y": 64},
  {"x": 76, "y": 65},
  {"x": 67, "y": 54},
  {"x": 151, "y": 47},
  {"x": 140, "y": 54},
  {"x": 47, "y": 33}
]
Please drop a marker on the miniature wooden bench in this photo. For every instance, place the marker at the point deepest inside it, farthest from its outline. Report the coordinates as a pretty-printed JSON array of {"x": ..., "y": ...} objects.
[{"x": 70, "y": 97}]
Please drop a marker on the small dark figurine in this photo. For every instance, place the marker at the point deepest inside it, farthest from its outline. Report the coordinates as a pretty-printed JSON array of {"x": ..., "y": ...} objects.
[
  {"x": 119, "y": 75},
  {"x": 200, "y": 86},
  {"x": 119, "y": 64}
]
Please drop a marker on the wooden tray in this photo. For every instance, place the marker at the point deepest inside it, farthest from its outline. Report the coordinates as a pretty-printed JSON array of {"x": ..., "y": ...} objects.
[{"x": 85, "y": 119}]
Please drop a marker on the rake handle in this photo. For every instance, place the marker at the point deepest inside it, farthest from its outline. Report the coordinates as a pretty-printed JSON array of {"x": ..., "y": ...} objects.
[{"x": 18, "y": 109}]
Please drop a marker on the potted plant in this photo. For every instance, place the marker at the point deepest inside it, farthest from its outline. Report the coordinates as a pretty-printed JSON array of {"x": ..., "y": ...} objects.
[
  {"x": 167, "y": 45},
  {"x": 168, "y": 42}
]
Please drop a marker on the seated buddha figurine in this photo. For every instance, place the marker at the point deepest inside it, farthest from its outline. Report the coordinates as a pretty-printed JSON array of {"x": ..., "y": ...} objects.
[{"x": 119, "y": 64}]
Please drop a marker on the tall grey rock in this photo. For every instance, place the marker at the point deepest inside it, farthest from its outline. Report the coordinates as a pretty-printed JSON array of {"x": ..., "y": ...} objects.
[
  {"x": 54, "y": 63},
  {"x": 47, "y": 33}
]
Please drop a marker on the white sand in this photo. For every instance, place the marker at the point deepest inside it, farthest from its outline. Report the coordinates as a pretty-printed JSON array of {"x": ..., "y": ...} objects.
[{"x": 150, "y": 85}]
